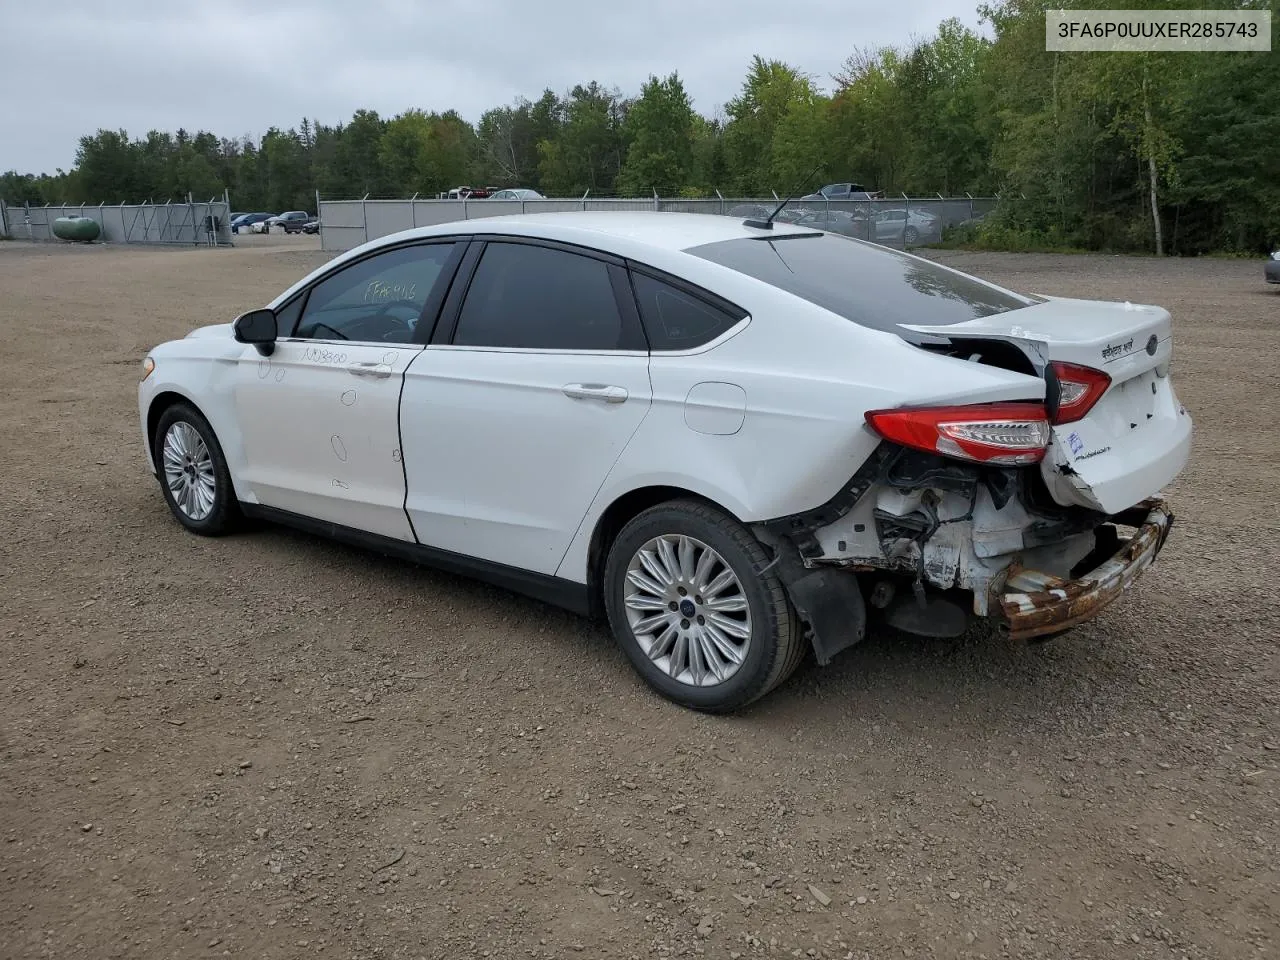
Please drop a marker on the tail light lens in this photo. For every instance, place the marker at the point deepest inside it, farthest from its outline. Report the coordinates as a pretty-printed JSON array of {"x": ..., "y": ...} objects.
[
  {"x": 1003, "y": 434},
  {"x": 1079, "y": 388}
]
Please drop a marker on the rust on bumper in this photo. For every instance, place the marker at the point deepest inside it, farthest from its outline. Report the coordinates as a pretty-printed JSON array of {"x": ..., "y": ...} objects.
[{"x": 1035, "y": 603}]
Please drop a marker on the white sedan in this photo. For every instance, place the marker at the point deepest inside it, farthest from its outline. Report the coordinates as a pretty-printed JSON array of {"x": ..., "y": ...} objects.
[{"x": 737, "y": 442}]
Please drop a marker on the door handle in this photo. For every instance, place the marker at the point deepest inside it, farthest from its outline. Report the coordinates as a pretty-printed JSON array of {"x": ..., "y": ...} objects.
[
  {"x": 595, "y": 391},
  {"x": 379, "y": 370}
]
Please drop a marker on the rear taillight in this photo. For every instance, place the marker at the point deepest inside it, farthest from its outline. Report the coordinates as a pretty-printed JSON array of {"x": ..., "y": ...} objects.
[
  {"x": 1079, "y": 388},
  {"x": 1006, "y": 434}
]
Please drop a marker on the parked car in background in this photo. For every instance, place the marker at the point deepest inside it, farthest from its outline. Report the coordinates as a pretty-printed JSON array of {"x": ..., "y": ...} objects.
[
  {"x": 734, "y": 443},
  {"x": 842, "y": 191},
  {"x": 468, "y": 193},
  {"x": 1272, "y": 270},
  {"x": 246, "y": 221},
  {"x": 903, "y": 225},
  {"x": 312, "y": 225},
  {"x": 290, "y": 221},
  {"x": 759, "y": 211},
  {"x": 837, "y": 221},
  {"x": 516, "y": 193},
  {"x": 790, "y": 214}
]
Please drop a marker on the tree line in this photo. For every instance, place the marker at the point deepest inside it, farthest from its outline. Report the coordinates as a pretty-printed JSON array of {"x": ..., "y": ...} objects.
[{"x": 1165, "y": 152}]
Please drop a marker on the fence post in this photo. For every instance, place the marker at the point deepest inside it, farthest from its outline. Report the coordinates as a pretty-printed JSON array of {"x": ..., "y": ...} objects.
[
  {"x": 584, "y": 198},
  {"x": 319, "y": 219},
  {"x": 721, "y": 196},
  {"x": 906, "y": 219},
  {"x": 970, "y": 196},
  {"x": 364, "y": 216},
  {"x": 656, "y": 206},
  {"x": 413, "y": 209}
]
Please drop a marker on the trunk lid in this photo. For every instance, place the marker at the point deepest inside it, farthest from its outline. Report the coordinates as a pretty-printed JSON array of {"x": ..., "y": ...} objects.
[{"x": 1137, "y": 437}]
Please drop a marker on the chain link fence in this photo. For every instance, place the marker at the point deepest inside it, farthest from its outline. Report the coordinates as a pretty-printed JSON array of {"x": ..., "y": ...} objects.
[
  {"x": 189, "y": 222},
  {"x": 902, "y": 222}
]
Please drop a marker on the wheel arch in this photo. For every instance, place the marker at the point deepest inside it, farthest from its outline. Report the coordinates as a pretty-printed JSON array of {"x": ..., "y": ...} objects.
[
  {"x": 169, "y": 394},
  {"x": 161, "y": 402},
  {"x": 828, "y": 601},
  {"x": 617, "y": 515}
]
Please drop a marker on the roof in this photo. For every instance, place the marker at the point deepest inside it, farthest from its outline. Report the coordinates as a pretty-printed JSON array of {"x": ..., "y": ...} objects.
[
  {"x": 654, "y": 238},
  {"x": 615, "y": 232}
]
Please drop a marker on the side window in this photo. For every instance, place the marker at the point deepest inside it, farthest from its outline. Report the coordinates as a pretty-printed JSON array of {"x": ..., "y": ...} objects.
[
  {"x": 539, "y": 298},
  {"x": 376, "y": 300},
  {"x": 287, "y": 316},
  {"x": 675, "y": 320}
]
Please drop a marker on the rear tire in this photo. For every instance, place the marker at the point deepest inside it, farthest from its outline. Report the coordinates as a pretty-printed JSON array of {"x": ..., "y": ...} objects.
[
  {"x": 716, "y": 652},
  {"x": 193, "y": 472}
]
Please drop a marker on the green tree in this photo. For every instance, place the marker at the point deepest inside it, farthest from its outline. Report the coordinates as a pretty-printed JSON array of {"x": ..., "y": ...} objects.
[
  {"x": 427, "y": 153},
  {"x": 868, "y": 141},
  {"x": 660, "y": 127},
  {"x": 108, "y": 164},
  {"x": 587, "y": 153},
  {"x": 358, "y": 160},
  {"x": 507, "y": 138},
  {"x": 768, "y": 95},
  {"x": 286, "y": 180}
]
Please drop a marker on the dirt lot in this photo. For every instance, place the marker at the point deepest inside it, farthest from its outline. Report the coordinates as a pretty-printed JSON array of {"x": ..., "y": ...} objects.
[{"x": 271, "y": 746}]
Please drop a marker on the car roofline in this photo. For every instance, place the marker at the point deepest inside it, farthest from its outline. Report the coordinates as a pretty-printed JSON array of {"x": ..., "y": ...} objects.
[{"x": 632, "y": 235}]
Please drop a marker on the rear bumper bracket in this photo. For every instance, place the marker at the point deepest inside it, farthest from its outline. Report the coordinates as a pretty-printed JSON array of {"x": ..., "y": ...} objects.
[{"x": 1035, "y": 604}]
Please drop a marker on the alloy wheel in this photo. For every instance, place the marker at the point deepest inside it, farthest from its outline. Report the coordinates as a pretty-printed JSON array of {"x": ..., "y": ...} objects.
[
  {"x": 687, "y": 610},
  {"x": 188, "y": 470}
]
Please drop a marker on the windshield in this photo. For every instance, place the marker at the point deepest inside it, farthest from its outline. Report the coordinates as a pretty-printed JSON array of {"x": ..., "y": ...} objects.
[{"x": 871, "y": 285}]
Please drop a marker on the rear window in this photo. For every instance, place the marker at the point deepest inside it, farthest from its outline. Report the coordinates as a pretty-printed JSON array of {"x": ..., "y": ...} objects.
[{"x": 872, "y": 286}]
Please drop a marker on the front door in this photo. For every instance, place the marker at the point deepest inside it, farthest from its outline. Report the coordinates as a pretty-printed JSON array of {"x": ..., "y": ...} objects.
[
  {"x": 510, "y": 429},
  {"x": 320, "y": 415}
]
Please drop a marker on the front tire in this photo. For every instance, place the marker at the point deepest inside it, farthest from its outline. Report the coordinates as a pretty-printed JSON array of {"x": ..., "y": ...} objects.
[
  {"x": 193, "y": 472},
  {"x": 691, "y": 604}
]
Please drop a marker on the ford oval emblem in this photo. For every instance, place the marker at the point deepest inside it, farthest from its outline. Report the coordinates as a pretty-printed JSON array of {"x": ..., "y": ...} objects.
[{"x": 1152, "y": 344}]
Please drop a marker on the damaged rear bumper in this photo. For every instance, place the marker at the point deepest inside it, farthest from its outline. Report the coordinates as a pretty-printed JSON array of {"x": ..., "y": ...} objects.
[{"x": 1035, "y": 604}]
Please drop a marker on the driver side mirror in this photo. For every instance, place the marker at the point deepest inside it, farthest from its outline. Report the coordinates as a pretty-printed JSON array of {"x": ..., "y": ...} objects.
[{"x": 259, "y": 328}]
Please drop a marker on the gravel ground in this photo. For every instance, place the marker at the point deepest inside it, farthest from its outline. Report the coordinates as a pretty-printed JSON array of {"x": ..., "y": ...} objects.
[{"x": 273, "y": 746}]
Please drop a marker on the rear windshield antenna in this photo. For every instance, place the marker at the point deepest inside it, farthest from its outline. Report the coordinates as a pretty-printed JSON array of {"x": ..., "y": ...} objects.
[{"x": 767, "y": 224}]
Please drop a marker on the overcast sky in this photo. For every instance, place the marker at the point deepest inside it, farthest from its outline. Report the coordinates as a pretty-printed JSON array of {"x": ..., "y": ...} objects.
[{"x": 237, "y": 67}]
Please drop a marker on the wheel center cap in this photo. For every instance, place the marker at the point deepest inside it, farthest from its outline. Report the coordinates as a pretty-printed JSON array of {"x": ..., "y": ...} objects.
[{"x": 687, "y": 609}]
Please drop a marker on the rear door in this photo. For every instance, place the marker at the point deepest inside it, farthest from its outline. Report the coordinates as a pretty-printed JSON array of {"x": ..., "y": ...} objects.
[
  {"x": 512, "y": 420},
  {"x": 320, "y": 415}
]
